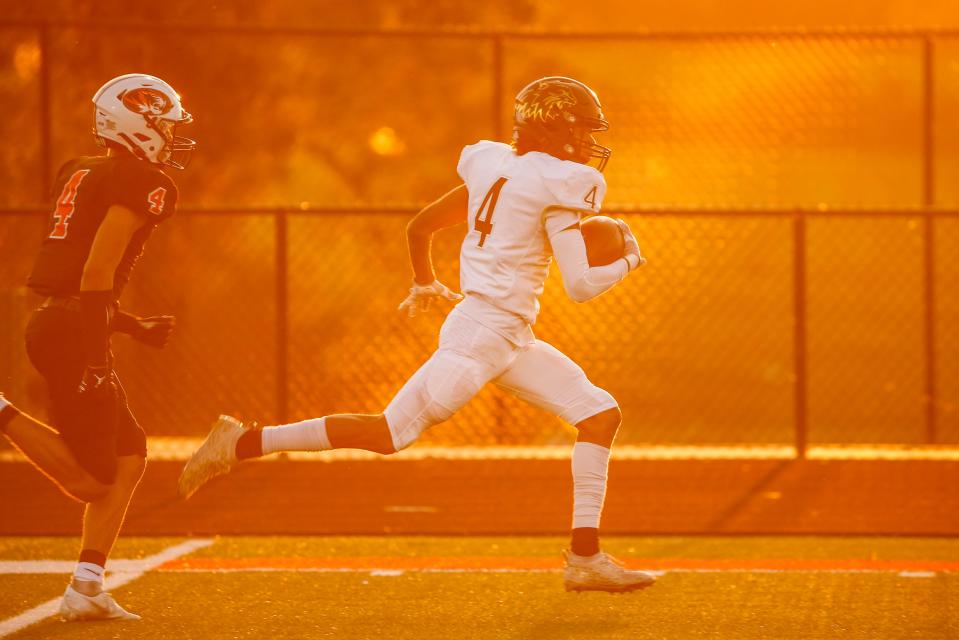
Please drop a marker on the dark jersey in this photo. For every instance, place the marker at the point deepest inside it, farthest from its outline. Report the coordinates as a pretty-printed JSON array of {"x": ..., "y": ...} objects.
[{"x": 88, "y": 187}]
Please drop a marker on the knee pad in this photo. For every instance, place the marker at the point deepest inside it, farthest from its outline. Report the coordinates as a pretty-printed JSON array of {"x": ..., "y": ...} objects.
[
  {"x": 438, "y": 390},
  {"x": 589, "y": 401}
]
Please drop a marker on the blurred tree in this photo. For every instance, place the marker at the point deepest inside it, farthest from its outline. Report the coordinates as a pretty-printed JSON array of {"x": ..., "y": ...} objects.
[
  {"x": 291, "y": 13},
  {"x": 565, "y": 15},
  {"x": 20, "y": 181},
  {"x": 288, "y": 117}
]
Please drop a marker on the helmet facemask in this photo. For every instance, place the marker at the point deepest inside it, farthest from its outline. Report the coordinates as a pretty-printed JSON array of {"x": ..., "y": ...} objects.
[
  {"x": 177, "y": 150},
  {"x": 582, "y": 146}
]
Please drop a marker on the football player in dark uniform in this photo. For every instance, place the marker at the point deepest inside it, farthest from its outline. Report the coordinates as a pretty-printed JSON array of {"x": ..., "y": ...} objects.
[{"x": 107, "y": 207}]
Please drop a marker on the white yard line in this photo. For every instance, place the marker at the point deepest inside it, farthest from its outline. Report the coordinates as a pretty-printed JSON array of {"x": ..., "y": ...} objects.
[
  {"x": 126, "y": 571},
  {"x": 656, "y": 572},
  {"x": 121, "y": 570}
]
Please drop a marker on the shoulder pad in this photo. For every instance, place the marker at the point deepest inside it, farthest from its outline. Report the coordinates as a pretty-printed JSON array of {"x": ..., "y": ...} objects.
[
  {"x": 65, "y": 170},
  {"x": 481, "y": 149},
  {"x": 144, "y": 188},
  {"x": 574, "y": 186}
]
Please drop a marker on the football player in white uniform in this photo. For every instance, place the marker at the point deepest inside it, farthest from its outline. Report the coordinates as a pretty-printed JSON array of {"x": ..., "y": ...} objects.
[{"x": 523, "y": 204}]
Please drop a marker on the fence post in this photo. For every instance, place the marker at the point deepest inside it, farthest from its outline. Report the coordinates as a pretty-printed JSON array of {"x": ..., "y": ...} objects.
[
  {"x": 929, "y": 266},
  {"x": 497, "y": 120},
  {"x": 799, "y": 333},
  {"x": 281, "y": 259},
  {"x": 45, "y": 155}
]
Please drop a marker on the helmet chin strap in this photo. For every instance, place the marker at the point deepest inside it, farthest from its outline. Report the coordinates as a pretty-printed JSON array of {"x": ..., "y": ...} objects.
[{"x": 134, "y": 148}]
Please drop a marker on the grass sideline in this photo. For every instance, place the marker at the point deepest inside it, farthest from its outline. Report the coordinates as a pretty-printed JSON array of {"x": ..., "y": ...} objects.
[{"x": 734, "y": 603}]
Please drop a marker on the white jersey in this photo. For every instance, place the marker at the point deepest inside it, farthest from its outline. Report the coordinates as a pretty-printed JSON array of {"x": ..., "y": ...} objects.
[{"x": 516, "y": 203}]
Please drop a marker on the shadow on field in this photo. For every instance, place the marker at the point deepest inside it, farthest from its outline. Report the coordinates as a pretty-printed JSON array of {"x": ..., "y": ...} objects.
[
  {"x": 516, "y": 497},
  {"x": 722, "y": 519}
]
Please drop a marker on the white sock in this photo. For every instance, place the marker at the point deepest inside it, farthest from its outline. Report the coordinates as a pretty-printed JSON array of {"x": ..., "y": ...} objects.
[
  {"x": 89, "y": 572},
  {"x": 590, "y": 463},
  {"x": 308, "y": 435}
]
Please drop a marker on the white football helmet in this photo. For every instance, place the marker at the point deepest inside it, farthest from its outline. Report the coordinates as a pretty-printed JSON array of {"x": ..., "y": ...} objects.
[{"x": 141, "y": 113}]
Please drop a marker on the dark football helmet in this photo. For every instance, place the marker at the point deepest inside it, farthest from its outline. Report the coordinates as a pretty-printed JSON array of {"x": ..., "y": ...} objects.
[{"x": 558, "y": 116}]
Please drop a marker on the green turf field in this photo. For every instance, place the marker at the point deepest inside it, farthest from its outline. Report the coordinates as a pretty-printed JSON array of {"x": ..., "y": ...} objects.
[{"x": 426, "y": 587}]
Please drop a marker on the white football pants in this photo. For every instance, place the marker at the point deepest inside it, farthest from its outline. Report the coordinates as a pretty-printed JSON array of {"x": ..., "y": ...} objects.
[{"x": 469, "y": 356}]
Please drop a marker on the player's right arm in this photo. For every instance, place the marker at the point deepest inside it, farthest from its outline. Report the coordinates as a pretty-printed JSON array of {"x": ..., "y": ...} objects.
[
  {"x": 447, "y": 211},
  {"x": 96, "y": 288}
]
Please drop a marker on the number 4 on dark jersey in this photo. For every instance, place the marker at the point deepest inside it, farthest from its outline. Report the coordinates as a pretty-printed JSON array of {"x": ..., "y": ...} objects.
[
  {"x": 66, "y": 204},
  {"x": 485, "y": 225}
]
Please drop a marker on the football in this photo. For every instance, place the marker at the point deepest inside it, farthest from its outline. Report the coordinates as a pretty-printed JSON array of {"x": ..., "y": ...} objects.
[{"x": 604, "y": 240}]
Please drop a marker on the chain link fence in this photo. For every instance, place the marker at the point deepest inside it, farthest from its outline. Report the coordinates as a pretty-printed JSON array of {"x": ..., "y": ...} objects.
[
  {"x": 700, "y": 347},
  {"x": 750, "y": 324}
]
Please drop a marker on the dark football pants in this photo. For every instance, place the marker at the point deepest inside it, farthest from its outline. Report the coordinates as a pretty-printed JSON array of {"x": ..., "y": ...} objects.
[{"x": 97, "y": 427}]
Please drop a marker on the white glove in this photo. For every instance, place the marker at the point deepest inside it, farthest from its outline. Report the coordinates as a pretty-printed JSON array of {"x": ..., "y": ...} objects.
[
  {"x": 632, "y": 247},
  {"x": 422, "y": 296}
]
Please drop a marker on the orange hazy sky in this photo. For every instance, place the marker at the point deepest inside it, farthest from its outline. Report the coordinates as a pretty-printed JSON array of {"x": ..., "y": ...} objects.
[{"x": 566, "y": 15}]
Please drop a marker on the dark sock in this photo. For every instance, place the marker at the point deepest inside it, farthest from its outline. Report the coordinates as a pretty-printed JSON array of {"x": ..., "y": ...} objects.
[
  {"x": 585, "y": 541},
  {"x": 93, "y": 557},
  {"x": 250, "y": 445},
  {"x": 7, "y": 414}
]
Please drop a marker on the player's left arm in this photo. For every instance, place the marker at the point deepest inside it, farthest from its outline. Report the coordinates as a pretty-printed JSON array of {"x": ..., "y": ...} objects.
[
  {"x": 153, "y": 196},
  {"x": 581, "y": 281},
  {"x": 152, "y": 330},
  {"x": 96, "y": 288},
  {"x": 447, "y": 211},
  {"x": 579, "y": 190}
]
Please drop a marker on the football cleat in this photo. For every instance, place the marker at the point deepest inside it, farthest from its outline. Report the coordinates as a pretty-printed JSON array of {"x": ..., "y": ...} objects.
[
  {"x": 602, "y": 572},
  {"x": 7, "y": 413},
  {"x": 75, "y": 607},
  {"x": 216, "y": 456}
]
